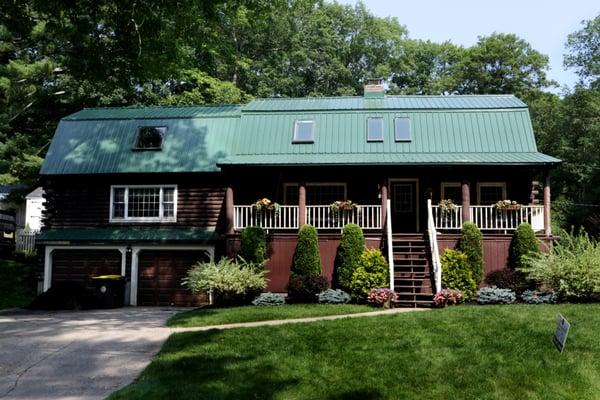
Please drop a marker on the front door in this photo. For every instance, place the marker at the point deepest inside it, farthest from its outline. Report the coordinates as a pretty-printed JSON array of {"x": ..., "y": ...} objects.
[{"x": 404, "y": 205}]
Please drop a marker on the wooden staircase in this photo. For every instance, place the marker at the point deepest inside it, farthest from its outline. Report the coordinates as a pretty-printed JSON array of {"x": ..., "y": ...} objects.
[{"x": 413, "y": 278}]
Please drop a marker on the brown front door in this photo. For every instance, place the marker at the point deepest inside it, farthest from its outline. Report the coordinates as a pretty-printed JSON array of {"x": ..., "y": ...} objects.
[{"x": 405, "y": 207}]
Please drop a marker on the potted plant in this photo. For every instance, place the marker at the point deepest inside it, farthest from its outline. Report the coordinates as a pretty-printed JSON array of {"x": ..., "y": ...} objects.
[
  {"x": 447, "y": 207},
  {"x": 507, "y": 205},
  {"x": 265, "y": 204},
  {"x": 343, "y": 205}
]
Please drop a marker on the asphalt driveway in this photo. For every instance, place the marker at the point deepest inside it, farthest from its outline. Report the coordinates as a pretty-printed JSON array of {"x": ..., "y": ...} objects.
[{"x": 77, "y": 354}]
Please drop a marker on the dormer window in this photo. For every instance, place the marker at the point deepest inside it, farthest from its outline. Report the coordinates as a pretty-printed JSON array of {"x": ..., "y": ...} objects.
[
  {"x": 149, "y": 138},
  {"x": 375, "y": 129},
  {"x": 402, "y": 130},
  {"x": 304, "y": 131}
]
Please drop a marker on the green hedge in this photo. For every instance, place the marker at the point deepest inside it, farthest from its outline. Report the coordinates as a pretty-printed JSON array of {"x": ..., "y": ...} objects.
[
  {"x": 372, "y": 272},
  {"x": 471, "y": 244},
  {"x": 307, "y": 259},
  {"x": 254, "y": 245},
  {"x": 348, "y": 255},
  {"x": 523, "y": 243},
  {"x": 457, "y": 273}
]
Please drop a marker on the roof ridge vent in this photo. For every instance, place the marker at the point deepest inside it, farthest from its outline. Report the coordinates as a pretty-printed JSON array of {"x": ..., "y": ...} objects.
[{"x": 374, "y": 88}]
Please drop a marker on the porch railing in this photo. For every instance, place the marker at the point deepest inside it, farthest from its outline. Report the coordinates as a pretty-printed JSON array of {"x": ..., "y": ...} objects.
[
  {"x": 489, "y": 219},
  {"x": 286, "y": 218},
  {"x": 322, "y": 217}
]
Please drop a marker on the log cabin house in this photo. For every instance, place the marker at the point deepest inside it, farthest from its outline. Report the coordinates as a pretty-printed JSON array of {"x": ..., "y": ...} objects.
[{"x": 146, "y": 192}]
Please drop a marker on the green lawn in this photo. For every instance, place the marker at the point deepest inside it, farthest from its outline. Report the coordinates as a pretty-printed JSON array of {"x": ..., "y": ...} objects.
[
  {"x": 218, "y": 316},
  {"x": 467, "y": 352},
  {"x": 16, "y": 287}
]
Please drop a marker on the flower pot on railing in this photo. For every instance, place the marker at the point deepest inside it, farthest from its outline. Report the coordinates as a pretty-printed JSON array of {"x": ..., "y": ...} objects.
[
  {"x": 343, "y": 209},
  {"x": 506, "y": 205},
  {"x": 264, "y": 209}
]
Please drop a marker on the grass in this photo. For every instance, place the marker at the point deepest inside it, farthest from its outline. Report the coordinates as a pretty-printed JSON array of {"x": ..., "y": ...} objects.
[
  {"x": 218, "y": 316},
  {"x": 467, "y": 352},
  {"x": 16, "y": 288}
]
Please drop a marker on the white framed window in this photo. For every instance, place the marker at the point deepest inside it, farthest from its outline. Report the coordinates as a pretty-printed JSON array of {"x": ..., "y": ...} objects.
[
  {"x": 489, "y": 193},
  {"x": 317, "y": 193},
  {"x": 452, "y": 191},
  {"x": 304, "y": 131},
  {"x": 375, "y": 129},
  {"x": 143, "y": 203},
  {"x": 402, "y": 129}
]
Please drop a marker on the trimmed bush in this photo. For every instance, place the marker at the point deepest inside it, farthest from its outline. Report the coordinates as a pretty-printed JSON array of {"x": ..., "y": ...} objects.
[
  {"x": 269, "y": 299},
  {"x": 305, "y": 288},
  {"x": 253, "y": 246},
  {"x": 348, "y": 255},
  {"x": 508, "y": 279},
  {"x": 471, "y": 244},
  {"x": 331, "y": 296},
  {"x": 457, "y": 273},
  {"x": 494, "y": 295},
  {"x": 523, "y": 242},
  {"x": 372, "y": 272},
  {"x": 538, "y": 297},
  {"x": 307, "y": 259}
]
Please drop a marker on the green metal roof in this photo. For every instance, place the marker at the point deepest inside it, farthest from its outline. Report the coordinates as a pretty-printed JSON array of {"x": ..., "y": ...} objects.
[
  {"x": 127, "y": 235},
  {"x": 162, "y": 112}
]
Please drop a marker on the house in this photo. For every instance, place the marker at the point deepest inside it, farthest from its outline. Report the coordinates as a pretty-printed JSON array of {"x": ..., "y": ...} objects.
[
  {"x": 34, "y": 207},
  {"x": 146, "y": 192}
]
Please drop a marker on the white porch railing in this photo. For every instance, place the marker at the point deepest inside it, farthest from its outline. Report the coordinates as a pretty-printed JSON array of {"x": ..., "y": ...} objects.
[
  {"x": 286, "y": 218},
  {"x": 433, "y": 247},
  {"x": 25, "y": 240},
  {"x": 322, "y": 217},
  {"x": 487, "y": 218},
  {"x": 390, "y": 243}
]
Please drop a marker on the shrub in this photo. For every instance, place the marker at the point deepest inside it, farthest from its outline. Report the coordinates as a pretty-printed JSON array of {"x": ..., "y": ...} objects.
[
  {"x": 231, "y": 282},
  {"x": 457, "y": 273},
  {"x": 347, "y": 258},
  {"x": 382, "y": 296},
  {"x": 253, "y": 247},
  {"x": 304, "y": 288},
  {"x": 372, "y": 272},
  {"x": 331, "y": 296},
  {"x": 307, "y": 260},
  {"x": 508, "y": 279},
  {"x": 471, "y": 244},
  {"x": 494, "y": 295},
  {"x": 269, "y": 299},
  {"x": 448, "y": 297},
  {"x": 538, "y": 297},
  {"x": 571, "y": 269},
  {"x": 523, "y": 242}
]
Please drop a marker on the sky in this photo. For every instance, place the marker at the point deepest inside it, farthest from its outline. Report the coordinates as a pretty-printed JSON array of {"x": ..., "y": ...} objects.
[{"x": 544, "y": 24}]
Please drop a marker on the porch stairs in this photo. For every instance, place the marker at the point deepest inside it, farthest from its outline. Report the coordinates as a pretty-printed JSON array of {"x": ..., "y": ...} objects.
[{"x": 413, "y": 278}]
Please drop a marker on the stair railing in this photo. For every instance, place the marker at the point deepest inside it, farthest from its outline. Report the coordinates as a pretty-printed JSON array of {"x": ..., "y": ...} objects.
[
  {"x": 433, "y": 247},
  {"x": 390, "y": 243}
]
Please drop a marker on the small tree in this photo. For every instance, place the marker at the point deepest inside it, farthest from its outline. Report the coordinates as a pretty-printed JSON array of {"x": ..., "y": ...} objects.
[
  {"x": 372, "y": 273},
  {"x": 254, "y": 245},
  {"x": 347, "y": 259},
  {"x": 471, "y": 244},
  {"x": 307, "y": 259},
  {"x": 523, "y": 242}
]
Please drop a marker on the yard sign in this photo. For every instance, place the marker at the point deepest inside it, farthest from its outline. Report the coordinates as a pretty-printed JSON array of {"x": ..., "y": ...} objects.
[{"x": 562, "y": 331}]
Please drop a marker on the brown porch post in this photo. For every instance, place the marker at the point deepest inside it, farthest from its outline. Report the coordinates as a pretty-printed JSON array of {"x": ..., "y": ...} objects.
[
  {"x": 466, "y": 201},
  {"x": 547, "y": 221},
  {"x": 229, "y": 209},
  {"x": 301, "y": 204},
  {"x": 384, "y": 200}
]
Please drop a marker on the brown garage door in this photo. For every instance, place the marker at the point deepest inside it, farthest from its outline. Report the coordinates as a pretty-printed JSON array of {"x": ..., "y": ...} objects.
[
  {"x": 81, "y": 265},
  {"x": 160, "y": 275}
]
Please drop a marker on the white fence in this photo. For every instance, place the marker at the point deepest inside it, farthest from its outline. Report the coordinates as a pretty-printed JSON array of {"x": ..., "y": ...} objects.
[
  {"x": 286, "y": 218},
  {"x": 25, "y": 240},
  {"x": 323, "y": 217},
  {"x": 490, "y": 219}
]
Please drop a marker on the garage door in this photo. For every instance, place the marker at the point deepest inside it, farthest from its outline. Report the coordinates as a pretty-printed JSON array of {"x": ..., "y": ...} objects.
[
  {"x": 160, "y": 275},
  {"x": 81, "y": 265}
]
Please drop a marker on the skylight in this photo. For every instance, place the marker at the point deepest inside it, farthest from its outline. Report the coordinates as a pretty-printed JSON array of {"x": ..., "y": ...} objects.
[
  {"x": 375, "y": 129},
  {"x": 304, "y": 131},
  {"x": 402, "y": 129},
  {"x": 149, "y": 138}
]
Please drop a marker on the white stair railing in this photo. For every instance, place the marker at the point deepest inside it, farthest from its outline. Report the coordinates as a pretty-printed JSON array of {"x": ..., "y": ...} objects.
[
  {"x": 433, "y": 247},
  {"x": 390, "y": 243}
]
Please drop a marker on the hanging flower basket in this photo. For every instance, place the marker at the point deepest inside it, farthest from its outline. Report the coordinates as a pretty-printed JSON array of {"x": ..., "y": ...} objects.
[
  {"x": 264, "y": 205},
  {"x": 507, "y": 205},
  {"x": 447, "y": 206},
  {"x": 343, "y": 205}
]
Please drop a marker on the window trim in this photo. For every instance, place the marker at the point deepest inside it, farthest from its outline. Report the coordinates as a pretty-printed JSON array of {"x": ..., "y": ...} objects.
[
  {"x": 295, "y": 130},
  {"x": 134, "y": 147},
  {"x": 127, "y": 219},
  {"x": 410, "y": 135},
  {"x": 444, "y": 185},
  {"x": 501, "y": 185},
  {"x": 307, "y": 184},
  {"x": 369, "y": 140}
]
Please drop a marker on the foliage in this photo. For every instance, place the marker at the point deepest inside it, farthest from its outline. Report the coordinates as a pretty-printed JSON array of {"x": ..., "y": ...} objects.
[
  {"x": 18, "y": 282},
  {"x": 447, "y": 206},
  {"x": 331, "y": 296},
  {"x": 507, "y": 278},
  {"x": 352, "y": 245},
  {"x": 269, "y": 299},
  {"x": 307, "y": 259},
  {"x": 538, "y": 297},
  {"x": 265, "y": 204},
  {"x": 584, "y": 52},
  {"x": 506, "y": 205},
  {"x": 471, "y": 244},
  {"x": 494, "y": 295},
  {"x": 342, "y": 205},
  {"x": 253, "y": 247},
  {"x": 571, "y": 269},
  {"x": 447, "y": 297},
  {"x": 372, "y": 272},
  {"x": 305, "y": 288},
  {"x": 523, "y": 242},
  {"x": 457, "y": 273},
  {"x": 382, "y": 297},
  {"x": 229, "y": 280}
]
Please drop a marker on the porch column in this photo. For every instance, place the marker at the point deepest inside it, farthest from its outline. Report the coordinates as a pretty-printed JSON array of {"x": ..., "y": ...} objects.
[
  {"x": 384, "y": 199},
  {"x": 229, "y": 209},
  {"x": 547, "y": 221},
  {"x": 301, "y": 204},
  {"x": 466, "y": 201}
]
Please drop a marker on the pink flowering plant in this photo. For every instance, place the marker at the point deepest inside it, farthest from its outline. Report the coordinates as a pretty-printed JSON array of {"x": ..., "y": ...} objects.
[
  {"x": 448, "y": 297},
  {"x": 382, "y": 297}
]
